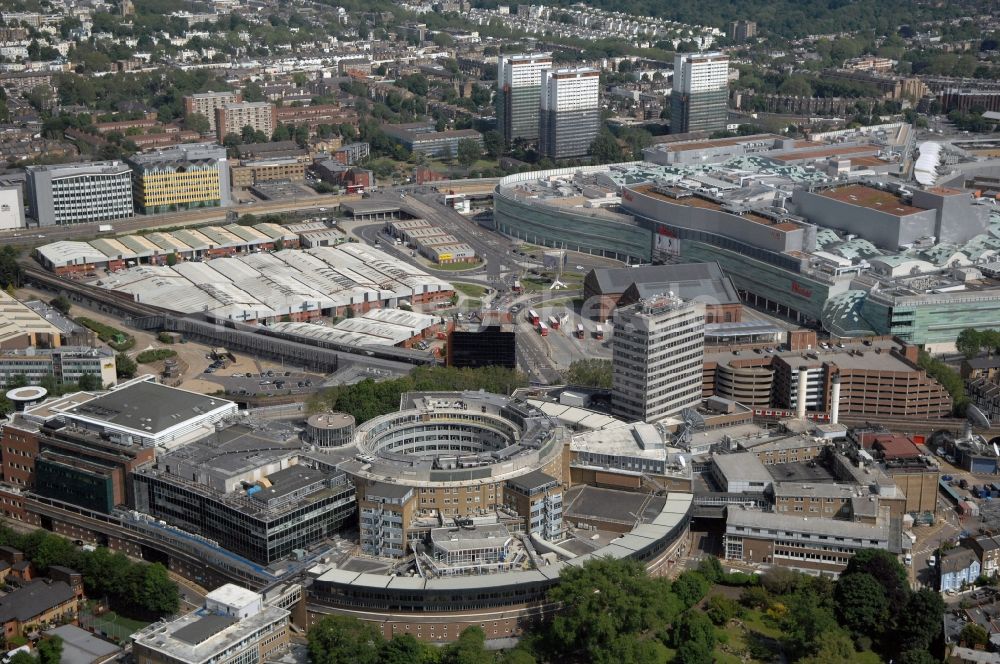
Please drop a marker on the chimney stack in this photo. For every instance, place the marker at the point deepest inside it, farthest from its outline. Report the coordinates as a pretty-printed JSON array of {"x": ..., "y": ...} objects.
[
  {"x": 835, "y": 400},
  {"x": 800, "y": 403}
]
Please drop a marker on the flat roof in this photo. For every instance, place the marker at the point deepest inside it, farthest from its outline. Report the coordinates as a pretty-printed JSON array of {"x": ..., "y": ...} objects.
[
  {"x": 147, "y": 406},
  {"x": 747, "y": 518},
  {"x": 80, "y": 646},
  {"x": 742, "y": 467},
  {"x": 871, "y": 198},
  {"x": 589, "y": 502},
  {"x": 369, "y": 207}
]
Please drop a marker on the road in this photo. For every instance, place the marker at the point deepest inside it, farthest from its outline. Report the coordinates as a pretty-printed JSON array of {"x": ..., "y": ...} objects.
[{"x": 929, "y": 539}]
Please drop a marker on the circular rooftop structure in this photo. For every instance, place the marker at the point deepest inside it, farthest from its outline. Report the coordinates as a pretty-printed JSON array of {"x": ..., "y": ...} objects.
[
  {"x": 470, "y": 438},
  {"x": 22, "y": 397},
  {"x": 330, "y": 429}
]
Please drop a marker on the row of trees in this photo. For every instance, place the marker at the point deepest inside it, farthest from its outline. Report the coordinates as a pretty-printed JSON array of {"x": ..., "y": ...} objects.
[
  {"x": 368, "y": 399},
  {"x": 140, "y": 590},
  {"x": 971, "y": 342},
  {"x": 950, "y": 379},
  {"x": 590, "y": 373}
]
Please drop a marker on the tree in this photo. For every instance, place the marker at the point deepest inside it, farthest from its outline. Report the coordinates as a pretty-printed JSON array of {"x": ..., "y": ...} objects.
[
  {"x": 155, "y": 592},
  {"x": 61, "y": 303},
  {"x": 884, "y": 568},
  {"x": 23, "y": 658},
  {"x": 694, "y": 638},
  {"x": 344, "y": 640},
  {"x": 605, "y": 149},
  {"x": 862, "y": 606},
  {"x": 10, "y": 269},
  {"x": 89, "y": 382},
  {"x": 604, "y": 601},
  {"x": 589, "y": 373},
  {"x": 711, "y": 569},
  {"x": 920, "y": 620},
  {"x": 470, "y": 648},
  {"x": 172, "y": 259},
  {"x": 197, "y": 122},
  {"x": 405, "y": 649},
  {"x": 721, "y": 609},
  {"x": 125, "y": 366},
  {"x": 833, "y": 648},
  {"x": 973, "y": 635},
  {"x": 493, "y": 143},
  {"x": 50, "y": 650},
  {"x": 468, "y": 152},
  {"x": 690, "y": 588},
  {"x": 805, "y": 622},
  {"x": 252, "y": 91}
]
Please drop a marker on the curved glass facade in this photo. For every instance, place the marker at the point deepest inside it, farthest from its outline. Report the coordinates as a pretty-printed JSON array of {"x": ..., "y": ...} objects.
[{"x": 565, "y": 228}]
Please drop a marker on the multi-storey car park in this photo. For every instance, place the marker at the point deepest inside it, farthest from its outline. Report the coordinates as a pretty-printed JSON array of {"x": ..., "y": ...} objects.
[{"x": 821, "y": 232}]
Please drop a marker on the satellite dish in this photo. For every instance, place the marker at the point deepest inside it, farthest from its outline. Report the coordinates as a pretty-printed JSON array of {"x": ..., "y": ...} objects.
[{"x": 977, "y": 417}]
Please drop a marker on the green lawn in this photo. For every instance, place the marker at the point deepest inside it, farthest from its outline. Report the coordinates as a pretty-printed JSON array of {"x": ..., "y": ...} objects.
[
  {"x": 455, "y": 267},
  {"x": 469, "y": 290}
]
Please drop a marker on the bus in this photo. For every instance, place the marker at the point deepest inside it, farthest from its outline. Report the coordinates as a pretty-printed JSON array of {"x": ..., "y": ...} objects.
[
  {"x": 579, "y": 331},
  {"x": 543, "y": 329},
  {"x": 533, "y": 317},
  {"x": 599, "y": 332},
  {"x": 517, "y": 286},
  {"x": 553, "y": 322}
]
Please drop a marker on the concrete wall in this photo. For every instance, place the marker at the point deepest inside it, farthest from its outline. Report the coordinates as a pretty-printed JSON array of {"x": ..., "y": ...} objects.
[{"x": 880, "y": 228}]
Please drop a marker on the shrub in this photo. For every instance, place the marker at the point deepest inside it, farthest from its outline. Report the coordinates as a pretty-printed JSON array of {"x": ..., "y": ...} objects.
[
  {"x": 154, "y": 355},
  {"x": 112, "y": 336}
]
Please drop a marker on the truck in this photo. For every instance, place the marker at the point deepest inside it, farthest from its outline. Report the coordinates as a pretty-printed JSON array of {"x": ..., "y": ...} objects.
[{"x": 105, "y": 228}]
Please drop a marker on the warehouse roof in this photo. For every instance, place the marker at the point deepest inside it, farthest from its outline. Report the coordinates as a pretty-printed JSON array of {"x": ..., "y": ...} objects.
[
  {"x": 68, "y": 252},
  {"x": 17, "y": 319}
]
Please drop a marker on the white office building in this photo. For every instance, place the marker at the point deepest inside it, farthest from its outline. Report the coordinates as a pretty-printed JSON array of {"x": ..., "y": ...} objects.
[
  {"x": 519, "y": 85},
  {"x": 11, "y": 210},
  {"x": 700, "y": 95},
  {"x": 657, "y": 353},
  {"x": 570, "y": 116},
  {"x": 80, "y": 193}
]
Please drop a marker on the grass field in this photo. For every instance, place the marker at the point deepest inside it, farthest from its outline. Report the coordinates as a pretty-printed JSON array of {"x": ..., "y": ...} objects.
[
  {"x": 455, "y": 267},
  {"x": 469, "y": 290}
]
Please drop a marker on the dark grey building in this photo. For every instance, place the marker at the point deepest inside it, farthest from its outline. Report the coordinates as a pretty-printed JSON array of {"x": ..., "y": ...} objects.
[{"x": 245, "y": 490}]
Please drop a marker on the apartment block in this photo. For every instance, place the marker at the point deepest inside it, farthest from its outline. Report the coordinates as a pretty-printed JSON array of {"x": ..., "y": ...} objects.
[
  {"x": 206, "y": 103},
  {"x": 519, "y": 84},
  {"x": 232, "y": 118},
  {"x": 570, "y": 115},
  {"x": 700, "y": 94}
]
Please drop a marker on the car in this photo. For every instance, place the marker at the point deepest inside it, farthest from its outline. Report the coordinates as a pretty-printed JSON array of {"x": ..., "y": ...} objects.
[
  {"x": 580, "y": 267},
  {"x": 270, "y": 374},
  {"x": 931, "y": 561},
  {"x": 237, "y": 375},
  {"x": 288, "y": 373},
  {"x": 249, "y": 375},
  {"x": 300, "y": 384},
  {"x": 210, "y": 370},
  {"x": 264, "y": 382}
]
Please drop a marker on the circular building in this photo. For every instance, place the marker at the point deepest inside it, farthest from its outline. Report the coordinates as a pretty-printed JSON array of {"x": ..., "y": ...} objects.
[
  {"x": 25, "y": 397},
  {"x": 330, "y": 429}
]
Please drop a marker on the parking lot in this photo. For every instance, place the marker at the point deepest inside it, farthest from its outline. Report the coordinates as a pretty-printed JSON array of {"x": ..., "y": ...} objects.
[{"x": 268, "y": 382}]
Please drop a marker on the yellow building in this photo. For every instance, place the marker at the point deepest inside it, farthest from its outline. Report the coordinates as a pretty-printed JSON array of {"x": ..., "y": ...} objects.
[{"x": 183, "y": 177}]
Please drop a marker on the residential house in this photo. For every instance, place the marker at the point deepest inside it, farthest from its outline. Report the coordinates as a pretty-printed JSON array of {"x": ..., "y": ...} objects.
[
  {"x": 40, "y": 603},
  {"x": 988, "y": 550},
  {"x": 958, "y": 566}
]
